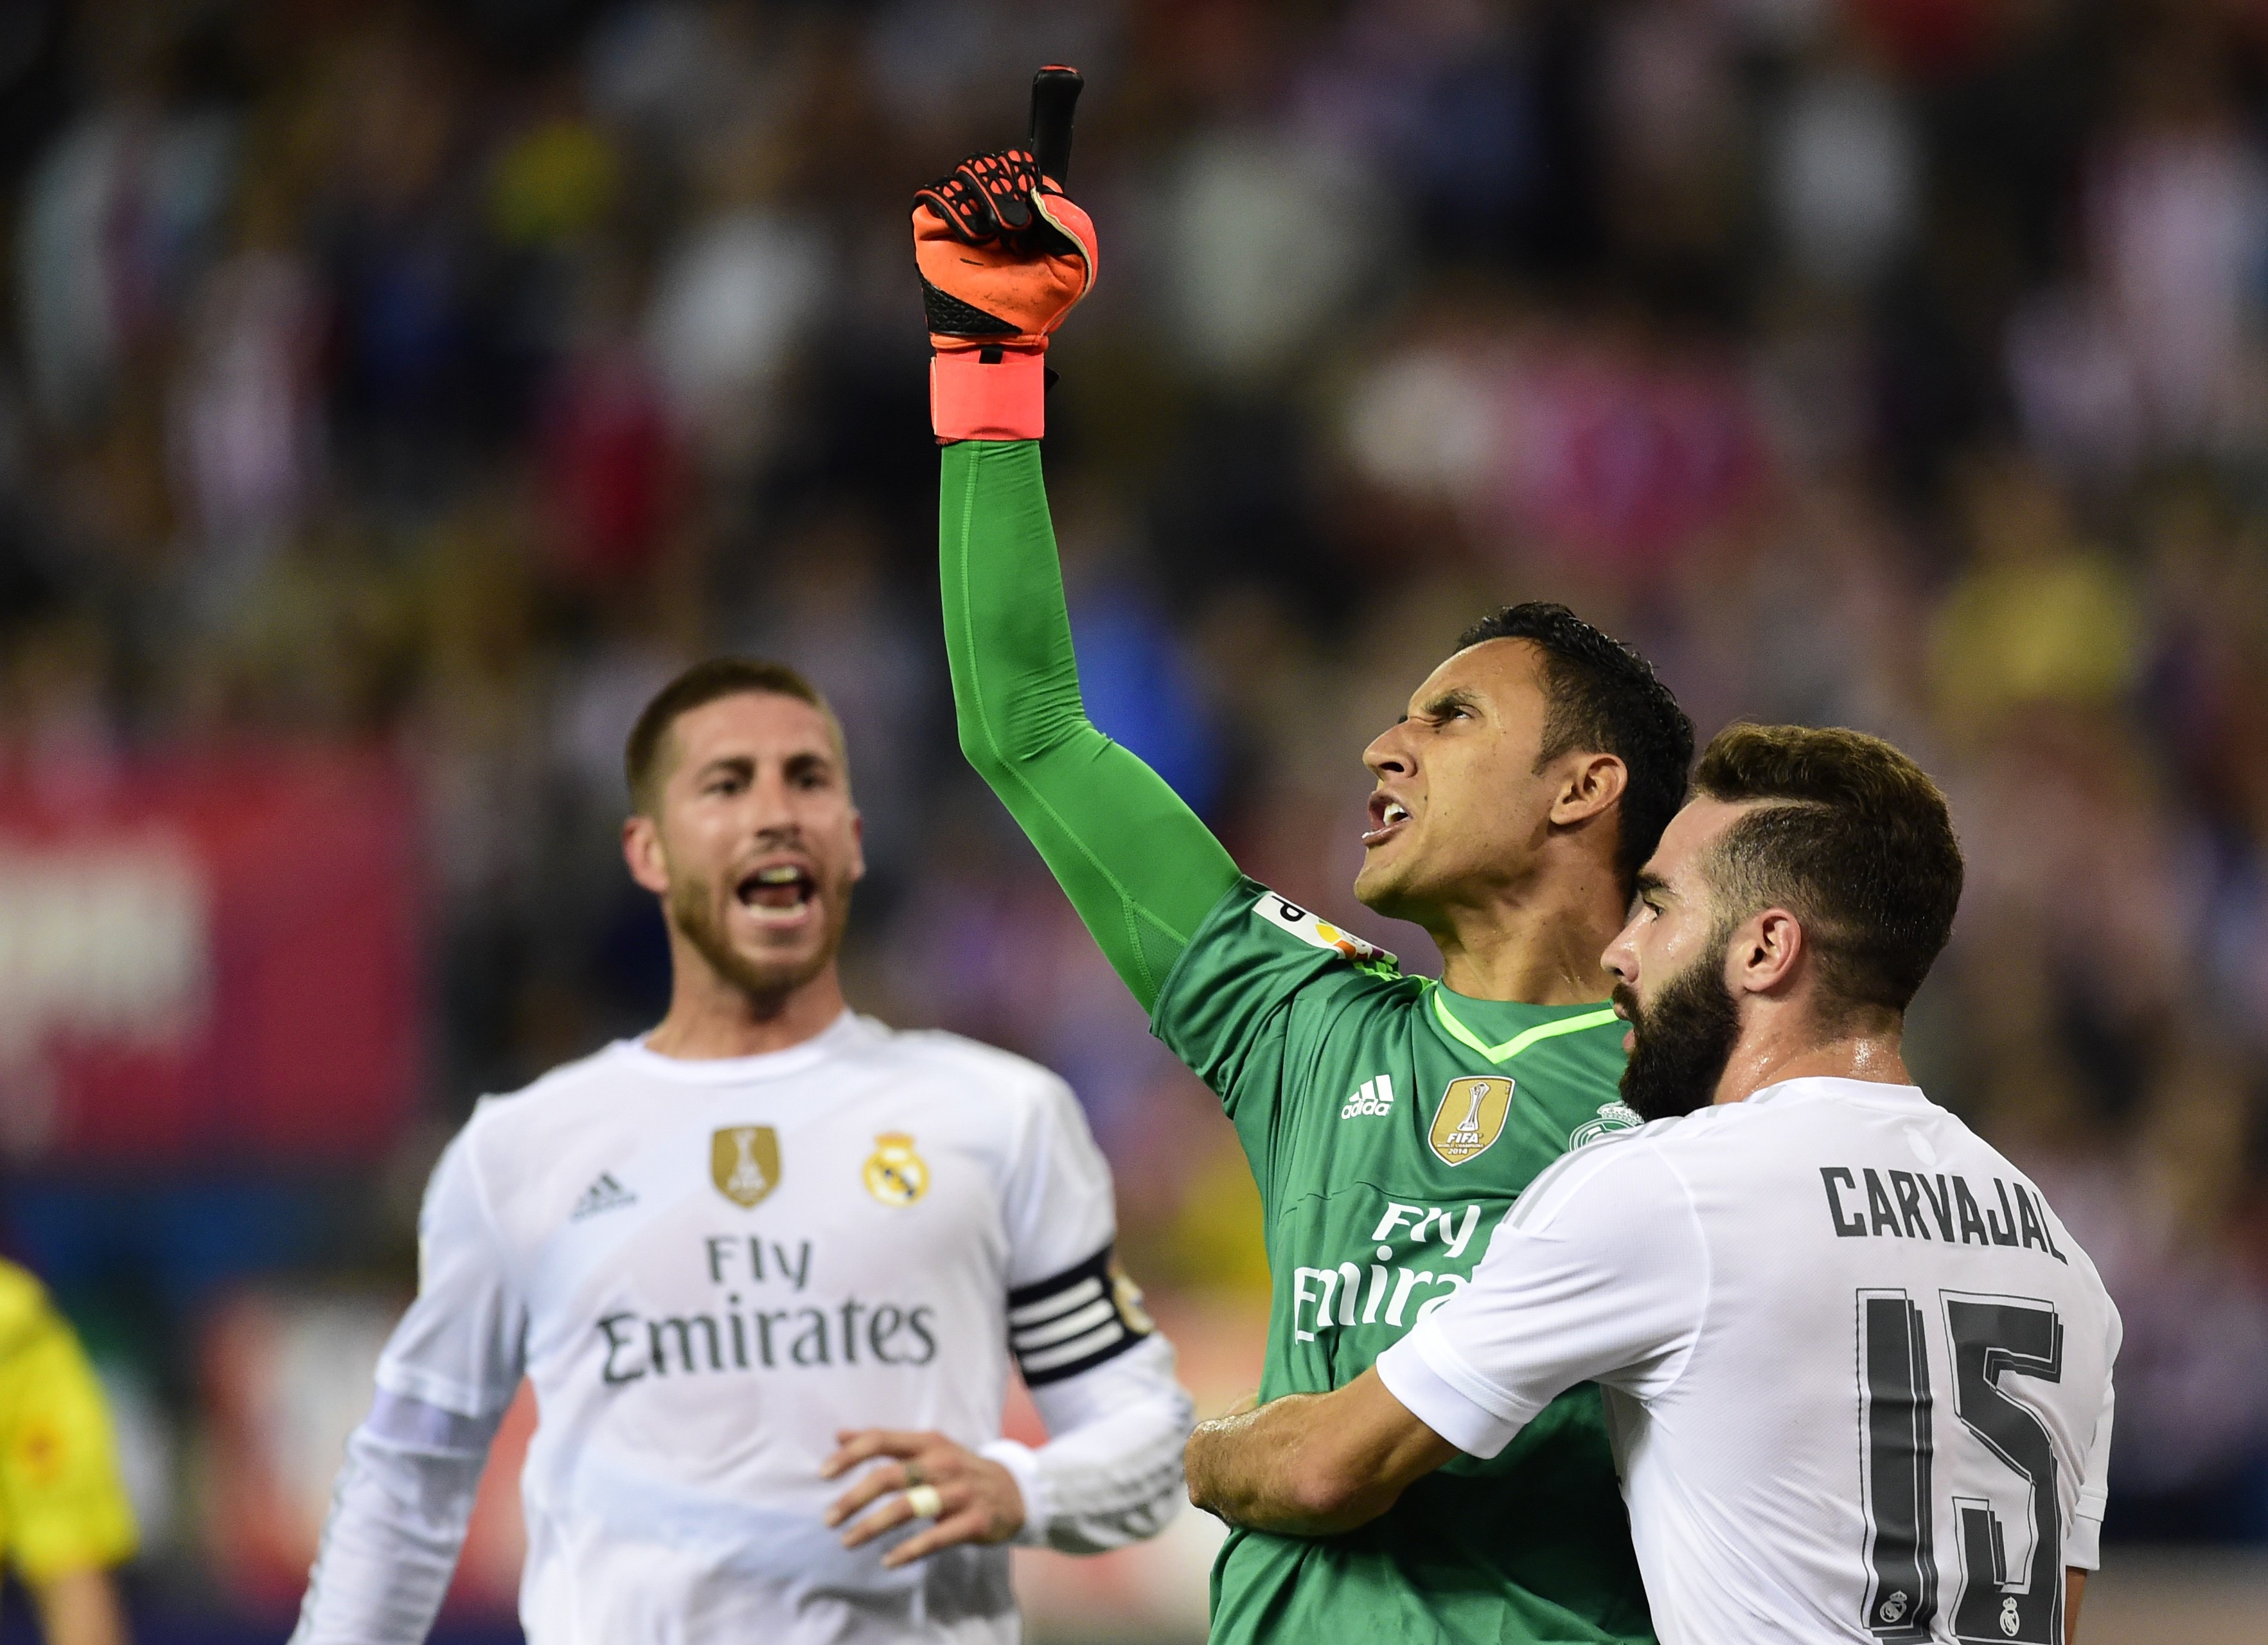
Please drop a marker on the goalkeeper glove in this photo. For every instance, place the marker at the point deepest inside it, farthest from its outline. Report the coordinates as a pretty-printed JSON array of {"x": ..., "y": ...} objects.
[{"x": 1004, "y": 255}]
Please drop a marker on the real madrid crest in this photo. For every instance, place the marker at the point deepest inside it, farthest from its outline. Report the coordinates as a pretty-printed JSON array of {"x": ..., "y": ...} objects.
[
  {"x": 744, "y": 1162},
  {"x": 1471, "y": 1118},
  {"x": 895, "y": 1174},
  {"x": 1613, "y": 1116}
]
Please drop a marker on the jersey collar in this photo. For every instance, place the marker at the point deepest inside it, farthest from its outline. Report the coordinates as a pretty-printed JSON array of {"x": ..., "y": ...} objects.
[
  {"x": 1453, "y": 1025},
  {"x": 734, "y": 1070},
  {"x": 1877, "y": 1093}
]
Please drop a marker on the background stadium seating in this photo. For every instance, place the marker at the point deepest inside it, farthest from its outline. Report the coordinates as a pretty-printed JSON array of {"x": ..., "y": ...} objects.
[{"x": 391, "y": 394}]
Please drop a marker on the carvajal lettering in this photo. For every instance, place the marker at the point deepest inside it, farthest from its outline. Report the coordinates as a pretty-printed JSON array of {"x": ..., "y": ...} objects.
[{"x": 1919, "y": 1205}]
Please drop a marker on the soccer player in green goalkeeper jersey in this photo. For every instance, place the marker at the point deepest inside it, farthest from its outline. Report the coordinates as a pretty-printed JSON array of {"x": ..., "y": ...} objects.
[{"x": 1389, "y": 1120}]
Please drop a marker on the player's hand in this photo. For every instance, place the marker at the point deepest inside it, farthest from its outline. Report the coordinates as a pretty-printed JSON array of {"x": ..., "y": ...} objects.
[
  {"x": 978, "y": 1498},
  {"x": 1003, "y": 253}
]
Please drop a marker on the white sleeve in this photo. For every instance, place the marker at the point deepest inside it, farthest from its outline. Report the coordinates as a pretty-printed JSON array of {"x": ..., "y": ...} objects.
[
  {"x": 1598, "y": 1273},
  {"x": 2082, "y": 1546},
  {"x": 1070, "y": 1307},
  {"x": 460, "y": 1345},
  {"x": 396, "y": 1525},
  {"x": 405, "y": 1495},
  {"x": 1111, "y": 1470}
]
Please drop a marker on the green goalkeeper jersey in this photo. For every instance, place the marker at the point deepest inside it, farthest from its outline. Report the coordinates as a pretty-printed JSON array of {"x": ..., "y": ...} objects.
[{"x": 1388, "y": 1122}]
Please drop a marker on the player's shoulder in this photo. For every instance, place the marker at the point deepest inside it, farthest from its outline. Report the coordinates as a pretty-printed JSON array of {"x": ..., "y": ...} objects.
[
  {"x": 965, "y": 1068},
  {"x": 1295, "y": 923},
  {"x": 525, "y": 1124},
  {"x": 1253, "y": 924},
  {"x": 585, "y": 1079},
  {"x": 1613, "y": 1164},
  {"x": 23, "y": 1303}
]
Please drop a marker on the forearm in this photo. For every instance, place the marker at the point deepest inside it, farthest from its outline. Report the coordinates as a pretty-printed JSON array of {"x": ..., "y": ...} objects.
[
  {"x": 80, "y": 1608},
  {"x": 1139, "y": 867},
  {"x": 1111, "y": 1471},
  {"x": 397, "y": 1523},
  {"x": 1250, "y": 1471},
  {"x": 1312, "y": 1465}
]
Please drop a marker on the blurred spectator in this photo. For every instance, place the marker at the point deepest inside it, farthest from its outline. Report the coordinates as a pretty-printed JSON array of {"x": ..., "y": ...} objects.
[
  {"x": 2036, "y": 620},
  {"x": 391, "y": 397}
]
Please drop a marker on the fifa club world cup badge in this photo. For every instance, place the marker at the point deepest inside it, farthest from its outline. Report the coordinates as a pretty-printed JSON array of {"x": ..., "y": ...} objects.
[
  {"x": 744, "y": 1162},
  {"x": 1471, "y": 1118},
  {"x": 894, "y": 1173}
]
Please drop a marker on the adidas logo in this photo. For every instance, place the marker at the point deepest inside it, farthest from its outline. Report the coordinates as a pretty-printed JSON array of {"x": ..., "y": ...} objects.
[
  {"x": 602, "y": 1195},
  {"x": 1376, "y": 1096}
]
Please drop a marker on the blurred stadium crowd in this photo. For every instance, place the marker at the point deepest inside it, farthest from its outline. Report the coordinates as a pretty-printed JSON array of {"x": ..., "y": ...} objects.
[{"x": 426, "y": 383}]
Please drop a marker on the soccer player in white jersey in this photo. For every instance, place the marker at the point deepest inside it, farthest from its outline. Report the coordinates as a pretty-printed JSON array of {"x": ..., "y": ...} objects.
[
  {"x": 1857, "y": 1373},
  {"x": 744, "y": 1257}
]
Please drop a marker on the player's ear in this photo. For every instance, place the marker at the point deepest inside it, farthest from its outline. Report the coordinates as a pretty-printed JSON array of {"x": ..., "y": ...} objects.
[
  {"x": 641, "y": 853},
  {"x": 858, "y": 844},
  {"x": 1766, "y": 951},
  {"x": 1589, "y": 787}
]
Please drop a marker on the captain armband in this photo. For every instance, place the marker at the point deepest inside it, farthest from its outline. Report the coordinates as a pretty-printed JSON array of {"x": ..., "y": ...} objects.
[{"x": 1073, "y": 1322}]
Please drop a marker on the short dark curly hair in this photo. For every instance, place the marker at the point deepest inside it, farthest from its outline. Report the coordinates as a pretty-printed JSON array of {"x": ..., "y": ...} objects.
[
  {"x": 1604, "y": 696},
  {"x": 1852, "y": 837}
]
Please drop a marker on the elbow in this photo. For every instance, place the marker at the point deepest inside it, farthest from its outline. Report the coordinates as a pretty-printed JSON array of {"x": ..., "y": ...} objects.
[
  {"x": 980, "y": 749},
  {"x": 1326, "y": 1495}
]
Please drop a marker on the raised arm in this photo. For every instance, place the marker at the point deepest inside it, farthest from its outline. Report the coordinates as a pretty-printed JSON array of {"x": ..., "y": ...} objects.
[
  {"x": 1138, "y": 864},
  {"x": 1004, "y": 255}
]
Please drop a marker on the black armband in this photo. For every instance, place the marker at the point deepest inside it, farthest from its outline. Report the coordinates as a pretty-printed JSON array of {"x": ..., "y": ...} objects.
[{"x": 1074, "y": 1321}]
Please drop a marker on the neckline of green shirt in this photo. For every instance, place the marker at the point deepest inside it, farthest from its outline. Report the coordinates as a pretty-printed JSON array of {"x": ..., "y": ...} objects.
[{"x": 1565, "y": 1020}]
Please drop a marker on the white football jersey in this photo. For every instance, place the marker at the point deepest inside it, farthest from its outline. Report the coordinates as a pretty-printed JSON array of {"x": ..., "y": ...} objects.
[
  {"x": 706, "y": 1268},
  {"x": 1857, "y": 1373}
]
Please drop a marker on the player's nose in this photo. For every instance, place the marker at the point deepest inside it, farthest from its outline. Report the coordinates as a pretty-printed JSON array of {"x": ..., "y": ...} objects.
[
  {"x": 769, "y": 812},
  {"x": 1621, "y": 955},
  {"x": 1390, "y": 753}
]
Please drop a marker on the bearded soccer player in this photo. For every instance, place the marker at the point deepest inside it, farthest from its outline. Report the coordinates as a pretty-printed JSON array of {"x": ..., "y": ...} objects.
[
  {"x": 1857, "y": 1372},
  {"x": 767, "y": 1244},
  {"x": 1388, "y": 1120}
]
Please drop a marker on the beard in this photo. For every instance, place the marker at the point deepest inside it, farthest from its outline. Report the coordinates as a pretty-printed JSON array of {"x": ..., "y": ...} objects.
[
  {"x": 1682, "y": 1043},
  {"x": 692, "y": 909}
]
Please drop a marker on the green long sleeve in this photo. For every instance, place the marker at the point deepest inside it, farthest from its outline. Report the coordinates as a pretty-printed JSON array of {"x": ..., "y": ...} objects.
[{"x": 1138, "y": 864}]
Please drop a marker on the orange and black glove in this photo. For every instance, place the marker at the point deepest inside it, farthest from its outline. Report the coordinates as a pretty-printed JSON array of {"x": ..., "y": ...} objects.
[{"x": 1004, "y": 255}]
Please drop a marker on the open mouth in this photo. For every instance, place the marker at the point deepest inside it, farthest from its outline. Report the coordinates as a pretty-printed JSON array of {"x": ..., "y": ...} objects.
[
  {"x": 1386, "y": 815},
  {"x": 779, "y": 893}
]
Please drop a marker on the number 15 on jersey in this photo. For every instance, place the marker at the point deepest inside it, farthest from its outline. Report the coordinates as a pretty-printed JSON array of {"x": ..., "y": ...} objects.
[{"x": 1995, "y": 1340}]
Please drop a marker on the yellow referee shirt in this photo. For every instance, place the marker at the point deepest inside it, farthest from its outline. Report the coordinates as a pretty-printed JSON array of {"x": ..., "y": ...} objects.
[{"x": 61, "y": 1505}]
